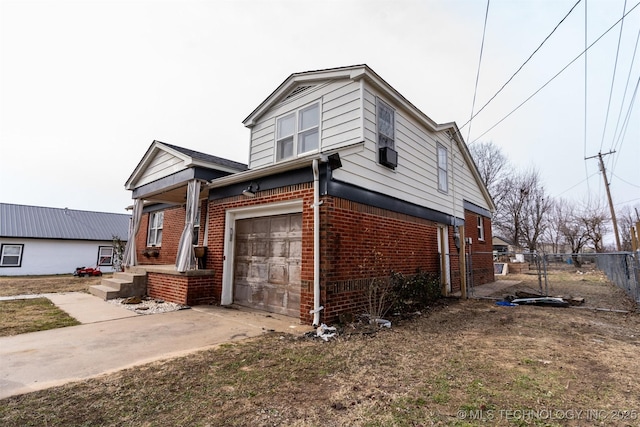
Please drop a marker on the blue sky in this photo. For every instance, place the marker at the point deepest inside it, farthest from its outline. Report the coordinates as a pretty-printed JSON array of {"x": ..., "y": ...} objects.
[{"x": 86, "y": 86}]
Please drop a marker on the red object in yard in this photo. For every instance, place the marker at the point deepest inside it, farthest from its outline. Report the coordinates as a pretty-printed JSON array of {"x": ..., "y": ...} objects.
[{"x": 87, "y": 271}]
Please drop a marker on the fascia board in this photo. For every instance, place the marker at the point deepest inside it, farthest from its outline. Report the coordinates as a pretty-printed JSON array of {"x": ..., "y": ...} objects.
[{"x": 261, "y": 172}]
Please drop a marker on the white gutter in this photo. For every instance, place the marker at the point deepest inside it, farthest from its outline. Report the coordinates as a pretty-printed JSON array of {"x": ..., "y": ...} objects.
[{"x": 316, "y": 244}]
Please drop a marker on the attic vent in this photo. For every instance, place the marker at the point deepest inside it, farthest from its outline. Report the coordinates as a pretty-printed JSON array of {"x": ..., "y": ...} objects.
[{"x": 297, "y": 90}]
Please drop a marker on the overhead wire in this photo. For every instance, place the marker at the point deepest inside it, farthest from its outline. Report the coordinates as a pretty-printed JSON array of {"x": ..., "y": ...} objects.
[
  {"x": 613, "y": 77},
  {"x": 626, "y": 87},
  {"x": 475, "y": 90},
  {"x": 625, "y": 126},
  {"x": 521, "y": 66},
  {"x": 557, "y": 74},
  {"x": 586, "y": 32}
]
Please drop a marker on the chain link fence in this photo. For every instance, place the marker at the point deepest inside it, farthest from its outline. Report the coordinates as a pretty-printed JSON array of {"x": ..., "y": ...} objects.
[{"x": 623, "y": 269}]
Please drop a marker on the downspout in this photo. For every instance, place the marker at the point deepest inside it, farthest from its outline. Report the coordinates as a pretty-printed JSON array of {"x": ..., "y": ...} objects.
[{"x": 316, "y": 244}]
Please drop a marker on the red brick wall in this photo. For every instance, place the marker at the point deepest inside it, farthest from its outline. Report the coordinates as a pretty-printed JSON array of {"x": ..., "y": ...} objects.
[
  {"x": 361, "y": 243},
  {"x": 481, "y": 250},
  {"x": 171, "y": 231},
  {"x": 181, "y": 289}
]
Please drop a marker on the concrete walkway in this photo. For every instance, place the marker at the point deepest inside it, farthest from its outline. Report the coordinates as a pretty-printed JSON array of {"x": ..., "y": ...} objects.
[{"x": 112, "y": 338}]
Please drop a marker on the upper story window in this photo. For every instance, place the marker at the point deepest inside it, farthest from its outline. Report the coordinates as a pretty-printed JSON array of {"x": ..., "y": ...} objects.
[
  {"x": 298, "y": 133},
  {"x": 443, "y": 184},
  {"x": 11, "y": 255},
  {"x": 480, "y": 228},
  {"x": 386, "y": 135},
  {"x": 154, "y": 237},
  {"x": 386, "y": 125}
]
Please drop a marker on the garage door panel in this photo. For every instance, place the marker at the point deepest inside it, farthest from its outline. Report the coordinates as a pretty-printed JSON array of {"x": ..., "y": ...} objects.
[
  {"x": 278, "y": 248},
  {"x": 267, "y": 263}
]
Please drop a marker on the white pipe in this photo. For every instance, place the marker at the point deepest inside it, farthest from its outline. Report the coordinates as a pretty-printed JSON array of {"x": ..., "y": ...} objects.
[{"x": 316, "y": 244}]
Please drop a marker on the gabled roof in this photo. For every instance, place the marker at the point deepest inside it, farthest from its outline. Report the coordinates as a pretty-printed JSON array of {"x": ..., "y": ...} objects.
[
  {"x": 22, "y": 221},
  {"x": 358, "y": 72},
  {"x": 189, "y": 158}
]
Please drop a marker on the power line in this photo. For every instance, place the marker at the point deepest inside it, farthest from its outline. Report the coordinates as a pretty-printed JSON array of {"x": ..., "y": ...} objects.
[
  {"x": 586, "y": 169},
  {"x": 574, "y": 186},
  {"x": 613, "y": 77},
  {"x": 626, "y": 87},
  {"x": 626, "y": 182},
  {"x": 520, "y": 68},
  {"x": 625, "y": 124},
  {"x": 475, "y": 90},
  {"x": 557, "y": 74}
]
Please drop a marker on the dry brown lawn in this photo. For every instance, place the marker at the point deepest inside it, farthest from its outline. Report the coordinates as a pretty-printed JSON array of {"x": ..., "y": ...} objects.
[
  {"x": 29, "y": 285},
  {"x": 460, "y": 363}
]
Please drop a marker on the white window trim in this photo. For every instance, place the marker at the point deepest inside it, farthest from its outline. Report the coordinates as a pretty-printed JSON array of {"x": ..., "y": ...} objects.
[
  {"x": 379, "y": 103},
  {"x": 3, "y": 247},
  {"x": 233, "y": 215},
  {"x": 154, "y": 229},
  {"x": 440, "y": 147},
  {"x": 480, "y": 225},
  {"x": 297, "y": 132},
  {"x": 100, "y": 256}
]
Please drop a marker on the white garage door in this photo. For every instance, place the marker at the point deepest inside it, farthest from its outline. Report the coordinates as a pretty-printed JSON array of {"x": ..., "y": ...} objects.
[{"x": 267, "y": 263}]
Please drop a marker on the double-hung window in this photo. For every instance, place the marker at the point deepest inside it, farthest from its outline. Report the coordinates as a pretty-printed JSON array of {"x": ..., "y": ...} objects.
[
  {"x": 386, "y": 125},
  {"x": 105, "y": 255},
  {"x": 196, "y": 227},
  {"x": 11, "y": 255},
  {"x": 443, "y": 184},
  {"x": 155, "y": 229},
  {"x": 298, "y": 133},
  {"x": 386, "y": 120},
  {"x": 480, "y": 228}
]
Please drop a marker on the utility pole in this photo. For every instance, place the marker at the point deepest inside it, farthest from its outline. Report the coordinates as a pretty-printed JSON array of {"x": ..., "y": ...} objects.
[{"x": 606, "y": 186}]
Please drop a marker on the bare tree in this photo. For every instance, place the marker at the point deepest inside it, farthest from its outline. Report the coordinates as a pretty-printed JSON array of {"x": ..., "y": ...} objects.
[
  {"x": 559, "y": 217},
  {"x": 595, "y": 219},
  {"x": 535, "y": 212},
  {"x": 493, "y": 166},
  {"x": 521, "y": 211},
  {"x": 627, "y": 218}
]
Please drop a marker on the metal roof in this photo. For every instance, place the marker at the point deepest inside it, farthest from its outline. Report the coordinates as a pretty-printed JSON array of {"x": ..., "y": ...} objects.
[{"x": 21, "y": 221}]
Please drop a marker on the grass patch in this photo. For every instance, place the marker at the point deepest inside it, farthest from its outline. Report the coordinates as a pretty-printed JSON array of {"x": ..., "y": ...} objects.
[{"x": 31, "y": 315}]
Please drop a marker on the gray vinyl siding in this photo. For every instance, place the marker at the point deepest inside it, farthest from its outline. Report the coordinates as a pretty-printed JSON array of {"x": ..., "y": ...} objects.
[
  {"x": 163, "y": 164},
  {"x": 340, "y": 119},
  {"x": 416, "y": 177}
]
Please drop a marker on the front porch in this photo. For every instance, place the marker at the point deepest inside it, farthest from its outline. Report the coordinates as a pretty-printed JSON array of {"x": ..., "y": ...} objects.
[{"x": 192, "y": 287}]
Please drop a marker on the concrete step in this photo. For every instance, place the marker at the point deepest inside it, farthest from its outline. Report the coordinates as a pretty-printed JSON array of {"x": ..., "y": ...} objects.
[
  {"x": 104, "y": 292},
  {"x": 121, "y": 285}
]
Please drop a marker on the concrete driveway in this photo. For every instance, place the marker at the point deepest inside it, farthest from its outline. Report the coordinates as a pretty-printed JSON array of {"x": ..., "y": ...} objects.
[{"x": 113, "y": 338}]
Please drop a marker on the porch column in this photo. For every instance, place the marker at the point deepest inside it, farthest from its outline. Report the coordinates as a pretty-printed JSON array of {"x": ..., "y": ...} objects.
[
  {"x": 130, "y": 258},
  {"x": 186, "y": 258}
]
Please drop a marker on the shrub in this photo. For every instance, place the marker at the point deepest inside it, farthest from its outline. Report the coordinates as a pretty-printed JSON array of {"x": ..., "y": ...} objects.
[{"x": 411, "y": 293}]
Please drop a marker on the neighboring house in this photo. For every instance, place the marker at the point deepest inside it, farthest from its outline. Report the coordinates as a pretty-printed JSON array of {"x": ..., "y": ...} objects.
[
  {"x": 39, "y": 240},
  {"x": 346, "y": 182}
]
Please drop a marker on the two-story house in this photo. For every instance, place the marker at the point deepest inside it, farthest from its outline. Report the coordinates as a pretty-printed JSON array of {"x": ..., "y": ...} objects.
[{"x": 346, "y": 181}]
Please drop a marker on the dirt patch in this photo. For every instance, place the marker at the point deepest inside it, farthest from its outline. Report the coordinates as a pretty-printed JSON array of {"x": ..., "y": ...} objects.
[
  {"x": 567, "y": 282},
  {"x": 459, "y": 363},
  {"x": 29, "y": 285}
]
